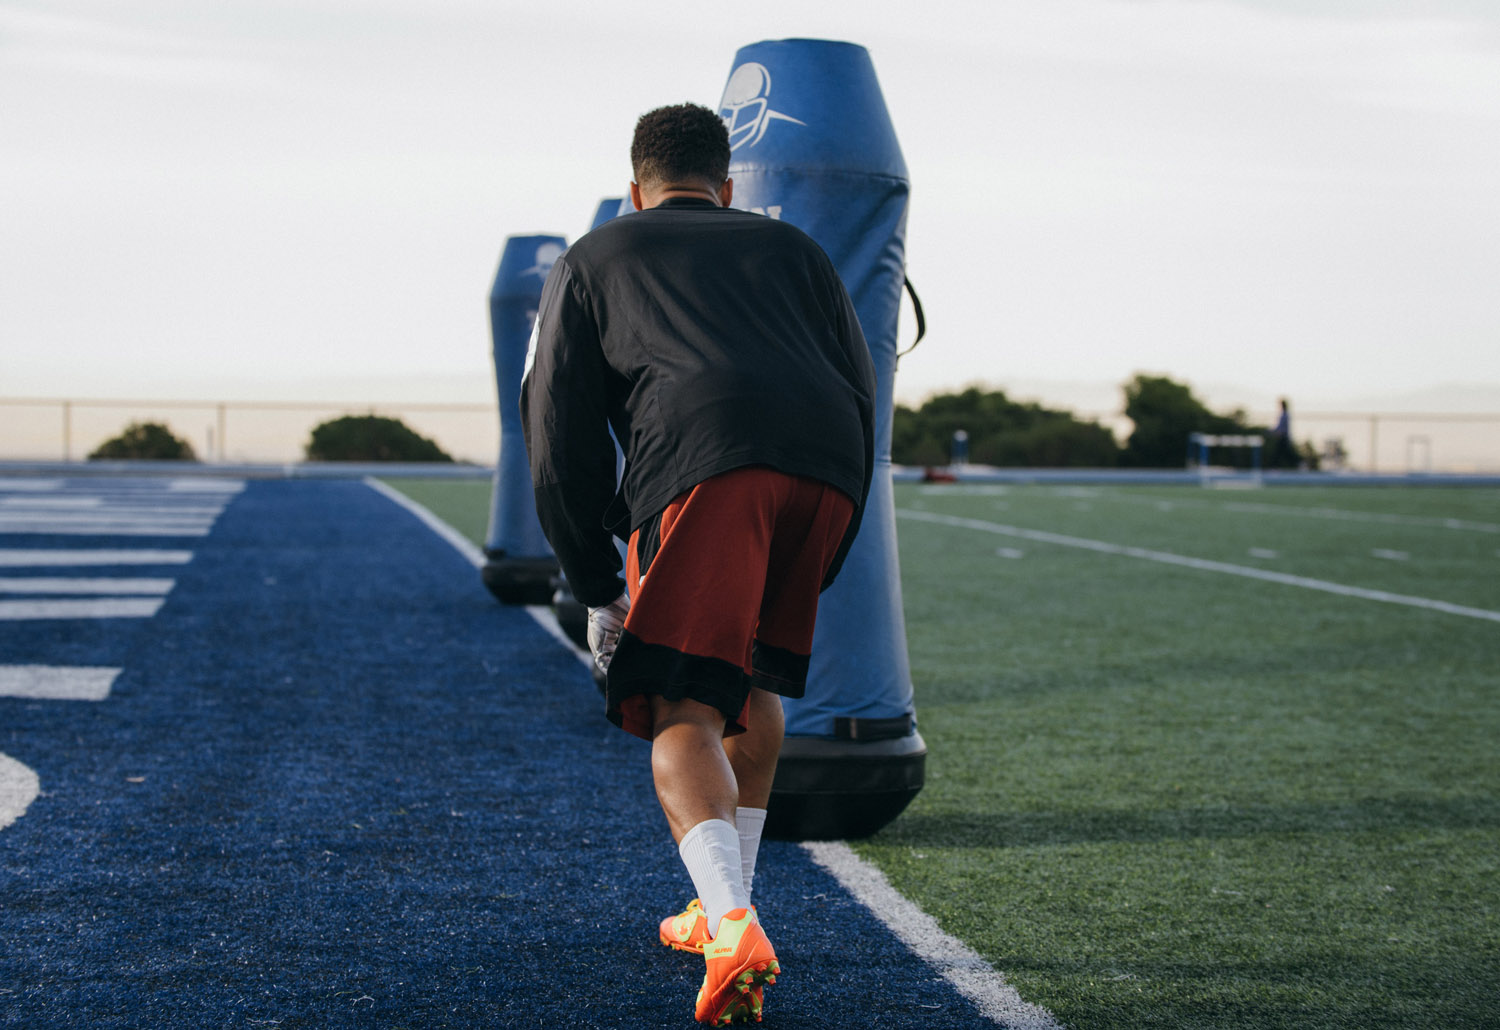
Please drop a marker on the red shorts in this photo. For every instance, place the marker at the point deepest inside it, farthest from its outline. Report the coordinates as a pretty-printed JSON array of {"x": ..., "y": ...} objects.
[{"x": 729, "y": 597}]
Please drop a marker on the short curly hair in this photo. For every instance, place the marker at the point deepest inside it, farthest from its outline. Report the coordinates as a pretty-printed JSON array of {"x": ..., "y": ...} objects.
[{"x": 680, "y": 143}]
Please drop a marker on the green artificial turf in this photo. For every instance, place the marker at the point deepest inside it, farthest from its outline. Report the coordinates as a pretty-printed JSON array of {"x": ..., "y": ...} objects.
[
  {"x": 1161, "y": 796},
  {"x": 462, "y": 503},
  {"x": 1169, "y": 797}
]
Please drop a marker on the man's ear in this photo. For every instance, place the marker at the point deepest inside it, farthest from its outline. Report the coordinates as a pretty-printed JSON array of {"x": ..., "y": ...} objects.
[
  {"x": 635, "y": 196},
  {"x": 726, "y": 191}
]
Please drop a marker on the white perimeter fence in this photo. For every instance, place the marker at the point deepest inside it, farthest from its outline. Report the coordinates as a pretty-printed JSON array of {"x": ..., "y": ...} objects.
[
  {"x": 230, "y": 432},
  {"x": 238, "y": 432}
]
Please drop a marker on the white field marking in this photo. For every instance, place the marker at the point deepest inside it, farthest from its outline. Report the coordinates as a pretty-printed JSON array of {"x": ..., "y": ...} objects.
[
  {"x": 63, "y": 585},
  {"x": 1203, "y": 564},
  {"x": 53, "y": 557},
  {"x": 1344, "y": 515},
  {"x": 51, "y": 503},
  {"x": 1010, "y": 552},
  {"x": 91, "y": 608},
  {"x": 35, "y": 507},
  {"x": 29, "y": 485},
  {"x": 102, "y": 529},
  {"x": 206, "y": 486},
  {"x": 19, "y": 787},
  {"x": 544, "y": 616},
  {"x": 57, "y": 682},
  {"x": 1264, "y": 552},
  {"x": 96, "y": 516},
  {"x": 970, "y": 974},
  {"x": 968, "y": 489},
  {"x": 1336, "y": 514},
  {"x": 1389, "y": 555}
]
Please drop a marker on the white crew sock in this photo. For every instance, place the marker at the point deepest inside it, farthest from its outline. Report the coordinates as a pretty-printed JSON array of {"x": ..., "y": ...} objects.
[
  {"x": 711, "y": 852},
  {"x": 751, "y": 822}
]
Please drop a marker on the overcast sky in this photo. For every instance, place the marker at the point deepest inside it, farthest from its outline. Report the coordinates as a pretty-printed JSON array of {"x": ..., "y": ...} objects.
[{"x": 265, "y": 199}]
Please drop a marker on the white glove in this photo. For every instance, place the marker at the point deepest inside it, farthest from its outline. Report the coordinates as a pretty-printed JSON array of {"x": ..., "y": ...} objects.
[{"x": 604, "y": 630}]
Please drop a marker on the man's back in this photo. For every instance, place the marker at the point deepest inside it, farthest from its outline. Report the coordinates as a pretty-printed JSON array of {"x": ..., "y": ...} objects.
[{"x": 730, "y": 341}]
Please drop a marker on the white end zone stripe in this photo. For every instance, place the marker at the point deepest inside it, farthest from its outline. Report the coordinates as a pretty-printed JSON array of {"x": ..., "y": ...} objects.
[
  {"x": 1202, "y": 564},
  {"x": 91, "y": 608},
  {"x": 19, "y": 787},
  {"x": 41, "y": 556},
  {"x": 102, "y": 529},
  {"x": 57, "y": 682},
  {"x": 63, "y": 585},
  {"x": 51, "y": 503},
  {"x": 195, "y": 485},
  {"x": 544, "y": 616},
  {"x": 962, "y": 967}
]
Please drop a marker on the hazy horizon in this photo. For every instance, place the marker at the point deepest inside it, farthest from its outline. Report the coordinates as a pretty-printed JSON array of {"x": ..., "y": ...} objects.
[{"x": 1259, "y": 198}]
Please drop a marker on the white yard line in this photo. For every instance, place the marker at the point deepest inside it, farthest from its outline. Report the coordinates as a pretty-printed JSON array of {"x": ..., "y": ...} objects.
[
  {"x": 89, "y": 608},
  {"x": 101, "y": 516},
  {"x": 1242, "y": 507},
  {"x": 83, "y": 508},
  {"x": 50, "y": 503},
  {"x": 44, "y": 557},
  {"x": 101, "y": 529},
  {"x": 970, "y": 975},
  {"x": 1344, "y": 515},
  {"x": 1202, "y": 564},
  {"x": 960, "y": 965},
  {"x": 198, "y": 485},
  {"x": 19, "y": 787},
  {"x": 57, "y": 682},
  {"x": 185, "y": 508},
  {"x": 63, "y": 585}
]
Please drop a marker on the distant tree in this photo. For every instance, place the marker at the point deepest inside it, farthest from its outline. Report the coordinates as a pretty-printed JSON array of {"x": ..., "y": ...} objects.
[
  {"x": 148, "y": 440},
  {"x": 1001, "y": 432},
  {"x": 1165, "y": 413},
  {"x": 370, "y": 438}
]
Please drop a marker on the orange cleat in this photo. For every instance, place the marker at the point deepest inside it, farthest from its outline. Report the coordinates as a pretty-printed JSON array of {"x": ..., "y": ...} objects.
[
  {"x": 687, "y": 930},
  {"x": 741, "y": 963}
]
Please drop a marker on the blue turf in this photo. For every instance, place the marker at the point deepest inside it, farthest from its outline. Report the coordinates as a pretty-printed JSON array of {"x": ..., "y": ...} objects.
[{"x": 370, "y": 796}]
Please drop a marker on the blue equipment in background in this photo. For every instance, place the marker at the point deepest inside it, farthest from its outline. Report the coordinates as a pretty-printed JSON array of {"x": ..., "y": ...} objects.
[
  {"x": 812, "y": 144},
  {"x": 608, "y": 210},
  {"x": 519, "y": 565}
]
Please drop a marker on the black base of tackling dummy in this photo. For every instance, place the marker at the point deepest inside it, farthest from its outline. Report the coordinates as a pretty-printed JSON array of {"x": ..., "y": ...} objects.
[
  {"x": 849, "y": 787},
  {"x": 518, "y": 580}
]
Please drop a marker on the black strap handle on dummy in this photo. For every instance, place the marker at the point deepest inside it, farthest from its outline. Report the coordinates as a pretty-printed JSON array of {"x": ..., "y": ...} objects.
[{"x": 916, "y": 304}]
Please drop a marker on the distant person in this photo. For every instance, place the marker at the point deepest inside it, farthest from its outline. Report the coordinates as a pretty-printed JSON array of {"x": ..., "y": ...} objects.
[
  {"x": 1283, "y": 451},
  {"x": 724, "y": 352}
]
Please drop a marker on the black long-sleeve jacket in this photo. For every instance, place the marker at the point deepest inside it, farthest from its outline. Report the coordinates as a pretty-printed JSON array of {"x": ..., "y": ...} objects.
[{"x": 708, "y": 339}]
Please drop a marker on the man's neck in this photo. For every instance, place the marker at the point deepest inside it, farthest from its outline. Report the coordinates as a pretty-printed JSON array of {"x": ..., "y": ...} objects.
[
  {"x": 673, "y": 192},
  {"x": 649, "y": 198}
]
